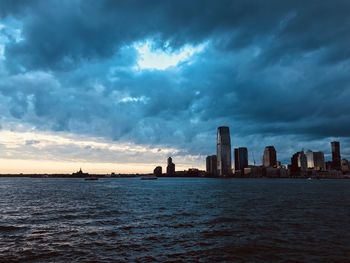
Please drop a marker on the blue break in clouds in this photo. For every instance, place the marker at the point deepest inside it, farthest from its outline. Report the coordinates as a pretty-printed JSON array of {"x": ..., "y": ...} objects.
[{"x": 273, "y": 71}]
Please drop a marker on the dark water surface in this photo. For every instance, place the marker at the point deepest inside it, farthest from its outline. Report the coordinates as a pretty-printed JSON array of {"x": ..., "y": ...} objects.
[{"x": 199, "y": 220}]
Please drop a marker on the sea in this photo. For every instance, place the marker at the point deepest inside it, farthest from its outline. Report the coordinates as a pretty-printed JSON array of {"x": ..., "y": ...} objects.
[{"x": 174, "y": 220}]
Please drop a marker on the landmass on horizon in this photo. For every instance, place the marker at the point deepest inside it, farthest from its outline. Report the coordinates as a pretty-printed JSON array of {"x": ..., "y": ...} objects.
[{"x": 307, "y": 164}]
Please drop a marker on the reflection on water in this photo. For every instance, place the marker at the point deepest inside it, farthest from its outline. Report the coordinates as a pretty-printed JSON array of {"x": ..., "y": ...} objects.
[{"x": 205, "y": 220}]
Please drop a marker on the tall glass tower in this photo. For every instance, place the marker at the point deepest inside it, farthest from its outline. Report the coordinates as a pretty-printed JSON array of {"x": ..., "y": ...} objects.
[{"x": 223, "y": 149}]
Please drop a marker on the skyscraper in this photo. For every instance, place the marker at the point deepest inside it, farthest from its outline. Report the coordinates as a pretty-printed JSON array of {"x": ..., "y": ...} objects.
[
  {"x": 302, "y": 161},
  {"x": 336, "y": 159},
  {"x": 310, "y": 159},
  {"x": 170, "y": 169},
  {"x": 223, "y": 148},
  {"x": 270, "y": 157},
  {"x": 319, "y": 163},
  {"x": 211, "y": 164},
  {"x": 299, "y": 163},
  {"x": 241, "y": 158}
]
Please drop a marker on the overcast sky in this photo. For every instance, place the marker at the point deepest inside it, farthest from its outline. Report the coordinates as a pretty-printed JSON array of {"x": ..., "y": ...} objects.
[{"x": 120, "y": 85}]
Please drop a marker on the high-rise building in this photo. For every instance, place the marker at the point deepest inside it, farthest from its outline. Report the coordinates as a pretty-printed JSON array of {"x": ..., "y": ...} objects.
[
  {"x": 223, "y": 148},
  {"x": 299, "y": 163},
  {"x": 211, "y": 164},
  {"x": 270, "y": 157},
  {"x": 310, "y": 159},
  {"x": 170, "y": 169},
  {"x": 319, "y": 163},
  {"x": 302, "y": 161},
  {"x": 241, "y": 158},
  {"x": 336, "y": 159},
  {"x": 294, "y": 168},
  {"x": 315, "y": 160}
]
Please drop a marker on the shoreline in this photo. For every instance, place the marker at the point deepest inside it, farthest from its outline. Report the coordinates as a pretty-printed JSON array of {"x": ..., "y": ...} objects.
[{"x": 108, "y": 176}]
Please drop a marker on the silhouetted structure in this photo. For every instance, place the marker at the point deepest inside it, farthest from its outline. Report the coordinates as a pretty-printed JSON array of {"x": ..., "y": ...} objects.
[
  {"x": 80, "y": 173},
  {"x": 336, "y": 159},
  {"x": 294, "y": 168},
  {"x": 319, "y": 163},
  {"x": 241, "y": 159},
  {"x": 270, "y": 157},
  {"x": 158, "y": 171},
  {"x": 310, "y": 159},
  {"x": 345, "y": 166},
  {"x": 170, "y": 169},
  {"x": 211, "y": 164},
  {"x": 223, "y": 148},
  {"x": 302, "y": 162},
  {"x": 298, "y": 163}
]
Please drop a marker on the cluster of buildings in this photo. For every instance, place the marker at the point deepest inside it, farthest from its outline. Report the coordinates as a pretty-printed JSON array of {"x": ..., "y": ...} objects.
[
  {"x": 307, "y": 163},
  {"x": 303, "y": 163}
]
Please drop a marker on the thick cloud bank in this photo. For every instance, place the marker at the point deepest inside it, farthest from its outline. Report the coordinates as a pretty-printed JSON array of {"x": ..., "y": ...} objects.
[{"x": 276, "y": 72}]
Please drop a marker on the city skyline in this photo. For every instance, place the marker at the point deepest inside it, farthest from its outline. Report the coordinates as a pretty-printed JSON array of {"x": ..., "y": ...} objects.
[
  {"x": 79, "y": 88},
  {"x": 231, "y": 159}
]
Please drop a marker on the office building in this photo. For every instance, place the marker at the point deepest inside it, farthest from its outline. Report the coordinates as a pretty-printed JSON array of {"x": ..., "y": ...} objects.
[
  {"x": 299, "y": 163},
  {"x": 211, "y": 164},
  {"x": 319, "y": 163},
  {"x": 345, "y": 166},
  {"x": 170, "y": 169},
  {"x": 336, "y": 159},
  {"x": 224, "y": 167},
  {"x": 302, "y": 161},
  {"x": 270, "y": 157},
  {"x": 241, "y": 158},
  {"x": 310, "y": 159}
]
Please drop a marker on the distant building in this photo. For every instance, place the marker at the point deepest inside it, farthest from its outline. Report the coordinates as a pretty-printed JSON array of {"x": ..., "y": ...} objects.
[
  {"x": 345, "y": 166},
  {"x": 158, "y": 171},
  {"x": 270, "y": 157},
  {"x": 319, "y": 163},
  {"x": 336, "y": 159},
  {"x": 274, "y": 172},
  {"x": 298, "y": 163},
  {"x": 302, "y": 161},
  {"x": 310, "y": 159},
  {"x": 329, "y": 165},
  {"x": 294, "y": 167},
  {"x": 224, "y": 167},
  {"x": 80, "y": 173},
  {"x": 241, "y": 159},
  {"x": 315, "y": 160},
  {"x": 211, "y": 164},
  {"x": 170, "y": 169}
]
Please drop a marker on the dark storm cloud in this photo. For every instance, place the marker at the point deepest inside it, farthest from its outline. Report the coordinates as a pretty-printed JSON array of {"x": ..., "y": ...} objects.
[
  {"x": 60, "y": 34},
  {"x": 269, "y": 68}
]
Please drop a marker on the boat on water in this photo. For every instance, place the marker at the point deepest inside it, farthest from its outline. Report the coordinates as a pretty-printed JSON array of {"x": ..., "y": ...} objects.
[{"x": 149, "y": 177}]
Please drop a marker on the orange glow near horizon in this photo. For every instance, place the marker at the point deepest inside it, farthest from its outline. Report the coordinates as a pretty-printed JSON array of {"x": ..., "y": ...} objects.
[{"x": 17, "y": 166}]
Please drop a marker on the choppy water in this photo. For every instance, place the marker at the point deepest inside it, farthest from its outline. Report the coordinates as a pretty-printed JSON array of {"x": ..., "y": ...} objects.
[{"x": 208, "y": 220}]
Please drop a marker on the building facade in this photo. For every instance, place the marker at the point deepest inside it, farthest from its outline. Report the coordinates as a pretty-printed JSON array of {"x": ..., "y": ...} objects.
[
  {"x": 211, "y": 165},
  {"x": 270, "y": 157},
  {"x": 336, "y": 158},
  {"x": 223, "y": 149},
  {"x": 319, "y": 162},
  {"x": 241, "y": 158},
  {"x": 170, "y": 169}
]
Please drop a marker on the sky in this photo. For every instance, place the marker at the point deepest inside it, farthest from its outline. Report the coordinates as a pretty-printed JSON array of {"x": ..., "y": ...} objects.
[{"x": 118, "y": 86}]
